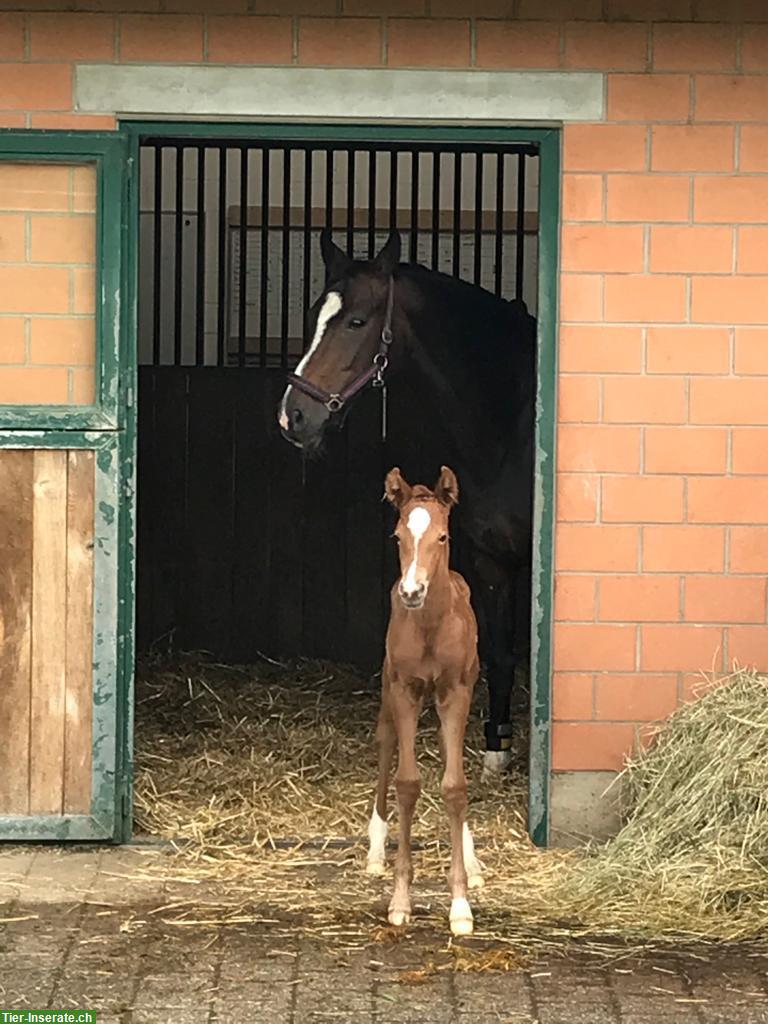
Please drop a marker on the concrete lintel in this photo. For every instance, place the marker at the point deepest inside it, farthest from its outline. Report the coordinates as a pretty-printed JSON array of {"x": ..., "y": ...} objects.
[
  {"x": 581, "y": 809},
  {"x": 157, "y": 90}
]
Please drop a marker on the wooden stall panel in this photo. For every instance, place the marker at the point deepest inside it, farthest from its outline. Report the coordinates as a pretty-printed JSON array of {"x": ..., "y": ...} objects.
[
  {"x": 46, "y": 631},
  {"x": 47, "y": 284}
]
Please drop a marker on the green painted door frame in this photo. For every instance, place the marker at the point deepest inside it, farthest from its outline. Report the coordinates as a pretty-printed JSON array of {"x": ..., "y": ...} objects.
[{"x": 548, "y": 141}]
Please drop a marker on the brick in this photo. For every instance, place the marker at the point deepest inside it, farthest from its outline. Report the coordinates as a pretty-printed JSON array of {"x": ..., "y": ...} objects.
[
  {"x": 724, "y": 599},
  {"x": 582, "y": 198},
  {"x": 644, "y": 400},
  {"x": 639, "y": 697},
  {"x": 577, "y": 497},
  {"x": 377, "y": 7},
  {"x": 729, "y": 400},
  {"x": 752, "y": 257},
  {"x": 84, "y": 282},
  {"x": 587, "y": 548},
  {"x": 204, "y": 6},
  {"x": 730, "y": 199},
  {"x": 731, "y": 98},
  {"x": 602, "y": 247},
  {"x": 605, "y": 45},
  {"x": 580, "y": 647},
  {"x": 604, "y": 147},
  {"x": 734, "y": 10},
  {"x": 753, "y": 152},
  {"x": 172, "y": 38},
  {"x": 691, "y": 47},
  {"x": 648, "y": 98},
  {"x": 28, "y": 289},
  {"x": 249, "y": 40},
  {"x": 742, "y": 499},
  {"x": 581, "y": 297},
  {"x": 350, "y": 42},
  {"x": 12, "y": 346},
  {"x": 12, "y": 237},
  {"x": 575, "y": 598},
  {"x": 427, "y": 43},
  {"x": 84, "y": 190},
  {"x": 649, "y": 10},
  {"x": 694, "y": 685},
  {"x": 68, "y": 239},
  {"x": 645, "y": 298},
  {"x": 33, "y": 385},
  {"x": 754, "y": 48},
  {"x": 578, "y": 399},
  {"x": 480, "y": 9},
  {"x": 687, "y": 147},
  {"x": 648, "y": 197},
  {"x": 11, "y": 37},
  {"x": 683, "y": 549},
  {"x": 681, "y": 648},
  {"x": 33, "y": 187},
  {"x": 72, "y": 36},
  {"x": 639, "y": 598},
  {"x": 561, "y": 10},
  {"x": 749, "y": 549},
  {"x": 685, "y": 450},
  {"x": 82, "y": 386},
  {"x": 70, "y": 342},
  {"x": 591, "y": 746},
  {"x": 691, "y": 250},
  {"x": 598, "y": 449},
  {"x": 751, "y": 354},
  {"x": 572, "y": 696},
  {"x": 600, "y": 349},
  {"x": 74, "y": 122},
  {"x": 13, "y": 120},
  {"x": 518, "y": 44},
  {"x": 695, "y": 350},
  {"x": 641, "y": 499},
  {"x": 748, "y": 646},
  {"x": 728, "y": 300},
  {"x": 35, "y": 87}
]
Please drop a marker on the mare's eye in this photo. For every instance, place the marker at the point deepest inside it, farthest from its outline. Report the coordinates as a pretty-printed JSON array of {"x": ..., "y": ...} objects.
[
  {"x": 356, "y": 323},
  {"x": 443, "y": 538}
]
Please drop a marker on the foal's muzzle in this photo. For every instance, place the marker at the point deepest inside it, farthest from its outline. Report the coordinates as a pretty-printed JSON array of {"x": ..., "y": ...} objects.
[{"x": 413, "y": 599}]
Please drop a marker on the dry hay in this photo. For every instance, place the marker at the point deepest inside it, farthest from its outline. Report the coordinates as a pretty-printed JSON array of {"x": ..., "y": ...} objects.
[{"x": 233, "y": 759}]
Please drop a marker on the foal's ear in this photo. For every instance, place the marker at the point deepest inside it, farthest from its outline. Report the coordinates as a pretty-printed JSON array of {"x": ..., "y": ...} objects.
[
  {"x": 389, "y": 257},
  {"x": 447, "y": 487},
  {"x": 397, "y": 490},
  {"x": 335, "y": 259}
]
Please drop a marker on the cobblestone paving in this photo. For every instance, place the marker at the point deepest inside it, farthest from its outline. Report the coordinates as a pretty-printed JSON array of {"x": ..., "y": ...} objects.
[{"x": 76, "y": 932}]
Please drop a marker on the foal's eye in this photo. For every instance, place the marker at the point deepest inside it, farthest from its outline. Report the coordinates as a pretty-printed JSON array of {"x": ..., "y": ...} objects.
[
  {"x": 356, "y": 323},
  {"x": 443, "y": 538}
]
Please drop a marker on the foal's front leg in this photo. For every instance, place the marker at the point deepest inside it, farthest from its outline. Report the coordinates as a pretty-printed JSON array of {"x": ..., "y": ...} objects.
[{"x": 405, "y": 713}]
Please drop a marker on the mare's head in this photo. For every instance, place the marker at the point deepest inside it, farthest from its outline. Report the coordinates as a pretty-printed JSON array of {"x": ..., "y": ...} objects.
[
  {"x": 421, "y": 531},
  {"x": 344, "y": 326}
]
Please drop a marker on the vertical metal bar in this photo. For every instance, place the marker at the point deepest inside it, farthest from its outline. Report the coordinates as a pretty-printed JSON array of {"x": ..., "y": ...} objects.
[
  {"x": 222, "y": 268},
  {"x": 158, "y": 254},
  {"x": 200, "y": 311},
  {"x": 308, "y": 157},
  {"x": 393, "y": 190},
  {"x": 456, "y": 213},
  {"x": 436, "y": 211},
  {"x": 478, "y": 217},
  {"x": 264, "y": 271},
  {"x": 286, "y": 268},
  {"x": 350, "y": 201},
  {"x": 243, "y": 255},
  {"x": 499, "y": 222},
  {"x": 372, "y": 202},
  {"x": 329, "y": 155},
  {"x": 178, "y": 255},
  {"x": 414, "y": 247},
  {"x": 520, "y": 227}
]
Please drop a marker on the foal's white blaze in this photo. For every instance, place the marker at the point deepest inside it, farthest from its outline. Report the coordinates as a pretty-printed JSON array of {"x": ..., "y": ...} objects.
[
  {"x": 460, "y": 918},
  {"x": 471, "y": 864},
  {"x": 377, "y": 839},
  {"x": 330, "y": 308},
  {"x": 418, "y": 524}
]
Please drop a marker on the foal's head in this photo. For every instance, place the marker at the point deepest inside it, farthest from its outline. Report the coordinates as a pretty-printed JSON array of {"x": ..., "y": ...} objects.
[
  {"x": 344, "y": 327},
  {"x": 421, "y": 531}
]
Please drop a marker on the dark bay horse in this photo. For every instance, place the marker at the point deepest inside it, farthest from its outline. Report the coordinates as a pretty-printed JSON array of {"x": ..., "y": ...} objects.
[{"x": 469, "y": 358}]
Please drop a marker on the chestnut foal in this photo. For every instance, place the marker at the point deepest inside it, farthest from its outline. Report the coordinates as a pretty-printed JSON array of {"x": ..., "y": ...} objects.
[{"x": 431, "y": 647}]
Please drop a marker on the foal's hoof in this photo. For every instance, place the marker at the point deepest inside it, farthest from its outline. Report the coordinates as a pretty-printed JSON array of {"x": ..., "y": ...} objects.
[
  {"x": 461, "y": 917},
  {"x": 475, "y": 881},
  {"x": 495, "y": 762},
  {"x": 399, "y": 918},
  {"x": 375, "y": 867}
]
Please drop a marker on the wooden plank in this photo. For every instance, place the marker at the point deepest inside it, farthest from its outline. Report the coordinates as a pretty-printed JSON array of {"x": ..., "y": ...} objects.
[
  {"x": 49, "y": 597},
  {"x": 15, "y": 628},
  {"x": 78, "y": 725}
]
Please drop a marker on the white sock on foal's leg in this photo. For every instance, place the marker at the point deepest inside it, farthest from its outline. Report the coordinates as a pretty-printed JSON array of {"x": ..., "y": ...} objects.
[
  {"x": 472, "y": 865},
  {"x": 377, "y": 842}
]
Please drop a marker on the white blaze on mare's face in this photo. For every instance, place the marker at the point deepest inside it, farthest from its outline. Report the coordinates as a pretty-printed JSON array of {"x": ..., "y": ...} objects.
[
  {"x": 418, "y": 524},
  {"x": 328, "y": 311}
]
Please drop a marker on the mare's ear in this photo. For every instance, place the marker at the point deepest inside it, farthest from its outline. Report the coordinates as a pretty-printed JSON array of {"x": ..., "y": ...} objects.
[
  {"x": 397, "y": 490},
  {"x": 389, "y": 257},
  {"x": 336, "y": 261},
  {"x": 447, "y": 487}
]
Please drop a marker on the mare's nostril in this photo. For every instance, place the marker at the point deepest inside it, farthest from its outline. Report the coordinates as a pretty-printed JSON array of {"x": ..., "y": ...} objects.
[{"x": 297, "y": 416}]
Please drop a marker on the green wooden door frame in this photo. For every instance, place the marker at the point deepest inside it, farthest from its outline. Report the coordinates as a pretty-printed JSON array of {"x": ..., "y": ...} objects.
[{"x": 548, "y": 141}]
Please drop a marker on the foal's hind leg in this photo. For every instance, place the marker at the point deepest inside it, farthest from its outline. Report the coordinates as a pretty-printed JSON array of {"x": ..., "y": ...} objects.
[
  {"x": 377, "y": 826},
  {"x": 405, "y": 713}
]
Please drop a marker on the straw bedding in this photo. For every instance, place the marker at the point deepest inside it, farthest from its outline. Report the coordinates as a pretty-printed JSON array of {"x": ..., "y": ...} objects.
[{"x": 262, "y": 777}]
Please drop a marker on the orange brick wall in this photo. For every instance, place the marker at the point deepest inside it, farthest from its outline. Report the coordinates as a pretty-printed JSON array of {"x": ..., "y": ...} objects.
[{"x": 662, "y": 534}]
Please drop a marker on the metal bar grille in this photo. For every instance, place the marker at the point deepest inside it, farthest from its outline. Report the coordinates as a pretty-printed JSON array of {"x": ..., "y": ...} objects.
[{"x": 231, "y": 228}]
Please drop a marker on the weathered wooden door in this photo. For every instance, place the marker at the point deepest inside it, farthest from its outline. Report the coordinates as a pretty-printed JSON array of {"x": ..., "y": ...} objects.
[{"x": 65, "y": 484}]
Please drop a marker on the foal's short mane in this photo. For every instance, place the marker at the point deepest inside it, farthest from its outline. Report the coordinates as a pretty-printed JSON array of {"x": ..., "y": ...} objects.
[{"x": 422, "y": 493}]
